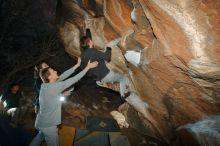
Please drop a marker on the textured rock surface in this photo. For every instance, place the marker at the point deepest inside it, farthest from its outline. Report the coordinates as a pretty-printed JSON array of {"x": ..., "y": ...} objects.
[
  {"x": 180, "y": 41},
  {"x": 205, "y": 132}
]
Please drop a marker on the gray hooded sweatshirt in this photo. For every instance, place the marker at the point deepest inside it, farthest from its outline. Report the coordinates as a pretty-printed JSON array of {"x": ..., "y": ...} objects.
[{"x": 49, "y": 99}]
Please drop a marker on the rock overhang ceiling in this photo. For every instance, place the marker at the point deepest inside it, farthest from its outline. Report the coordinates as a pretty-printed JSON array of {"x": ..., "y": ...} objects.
[{"x": 178, "y": 76}]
